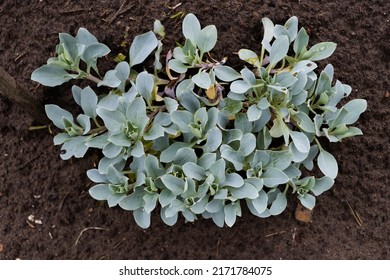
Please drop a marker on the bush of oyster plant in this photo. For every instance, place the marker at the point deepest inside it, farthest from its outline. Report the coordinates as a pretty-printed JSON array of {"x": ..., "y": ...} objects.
[{"x": 192, "y": 136}]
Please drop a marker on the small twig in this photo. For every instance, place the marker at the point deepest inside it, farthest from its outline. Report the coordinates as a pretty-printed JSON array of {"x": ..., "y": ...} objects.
[
  {"x": 174, "y": 7},
  {"x": 120, "y": 11},
  {"x": 294, "y": 234},
  {"x": 20, "y": 56},
  {"x": 355, "y": 215},
  {"x": 75, "y": 11},
  {"x": 84, "y": 230},
  {"x": 28, "y": 162},
  {"x": 275, "y": 233},
  {"x": 217, "y": 251},
  {"x": 119, "y": 243},
  {"x": 63, "y": 201},
  {"x": 30, "y": 224}
]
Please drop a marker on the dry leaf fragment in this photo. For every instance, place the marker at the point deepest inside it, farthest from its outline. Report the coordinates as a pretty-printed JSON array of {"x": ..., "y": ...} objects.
[{"x": 303, "y": 214}]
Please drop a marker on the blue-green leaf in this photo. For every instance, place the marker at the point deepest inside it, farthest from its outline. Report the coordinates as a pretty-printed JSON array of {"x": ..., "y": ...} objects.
[
  {"x": 170, "y": 221},
  {"x": 279, "y": 50},
  {"x": 100, "y": 191},
  {"x": 150, "y": 202},
  {"x": 239, "y": 86},
  {"x": 182, "y": 119},
  {"x": 51, "y": 76},
  {"x": 177, "y": 66},
  {"x": 250, "y": 57},
  {"x": 85, "y": 123},
  {"x": 88, "y": 102},
  {"x": 191, "y": 27},
  {"x": 268, "y": 33},
  {"x": 327, "y": 164},
  {"x": 207, "y": 38},
  {"x": 215, "y": 205},
  {"x": 154, "y": 132},
  {"x": 166, "y": 197},
  {"x": 138, "y": 149},
  {"x": 274, "y": 177},
  {"x": 152, "y": 167},
  {"x": 141, "y": 47},
  {"x": 259, "y": 204},
  {"x": 278, "y": 205},
  {"x": 237, "y": 158},
  {"x": 194, "y": 171},
  {"x": 308, "y": 201},
  {"x": 301, "y": 141},
  {"x": 145, "y": 85},
  {"x": 133, "y": 201},
  {"x": 231, "y": 211},
  {"x": 301, "y": 41},
  {"x": 84, "y": 37},
  {"x": 254, "y": 113},
  {"x": 233, "y": 180},
  {"x": 355, "y": 108},
  {"x": 321, "y": 185},
  {"x": 56, "y": 115},
  {"x": 214, "y": 140},
  {"x": 319, "y": 51},
  {"x": 95, "y": 176},
  {"x": 142, "y": 218},
  {"x": 110, "y": 79},
  {"x": 169, "y": 154},
  {"x": 93, "y": 52},
  {"x": 226, "y": 73},
  {"x": 202, "y": 80},
  {"x": 174, "y": 184},
  {"x": 247, "y": 144},
  {"x": 245, "y": 191}
]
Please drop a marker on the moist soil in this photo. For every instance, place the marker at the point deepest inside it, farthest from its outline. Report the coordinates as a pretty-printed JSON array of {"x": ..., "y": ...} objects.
[{"x": 72, "y": 225}]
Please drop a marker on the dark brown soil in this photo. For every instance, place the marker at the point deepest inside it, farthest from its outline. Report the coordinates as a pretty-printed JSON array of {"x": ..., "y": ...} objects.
[{"x": 35, "y": 181}]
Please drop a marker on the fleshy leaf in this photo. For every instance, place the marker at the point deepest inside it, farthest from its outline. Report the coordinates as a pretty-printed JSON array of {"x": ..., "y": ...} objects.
[
  {"x": 301, "y": 141},
  {"x": 274, "y": 177},
  {"x": 226, "y": 73},
  {"x": 142, "y": 218},
  {"x": 207, "y": 38},
  {"x": 319, "y": 51},
  {"x": 321, "y": 185},
  {"x": 278, "y": 205},
  {"x": 56, "y": 114},
  {"x": 88, "y": 102},
  {"x": 231, "y": 211},
  {"x": 191, "y": 27},
  {"x": 51, "y": 76},
  {"x": 279, "y": 50},
  {"x": 327, "y": 164},
  {"x": 145, "y": 85},
  {"x": 142, "y": 47},
  {"x": 202, "y": 80},
  {"x": 308, "y": 201}
]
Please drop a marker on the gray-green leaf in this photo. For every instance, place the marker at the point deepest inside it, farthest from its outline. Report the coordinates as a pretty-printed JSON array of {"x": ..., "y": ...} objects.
[
  {"x": 278, "y": 205},
  {"x": 327, "y": 164},
  {"x": 141, "y": 47},
  {"x": 279, "y": 50},
  {"x": 274, "y": 177},
  {"x": 51, "y": 76}
]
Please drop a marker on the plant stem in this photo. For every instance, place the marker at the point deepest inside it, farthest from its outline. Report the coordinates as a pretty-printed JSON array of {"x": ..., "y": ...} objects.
[
  {"x": 318, "y": 143},
  {"x": 262, "y": 56},
  {"x": 93, "y": 78},
  {"x": 286, "y": 188},
  {"x": 97, "y": 130}
]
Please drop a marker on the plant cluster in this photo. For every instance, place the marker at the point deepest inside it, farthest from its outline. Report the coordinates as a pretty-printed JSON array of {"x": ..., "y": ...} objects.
[{"x": 196, "y": 136}]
